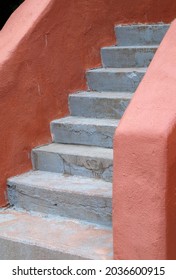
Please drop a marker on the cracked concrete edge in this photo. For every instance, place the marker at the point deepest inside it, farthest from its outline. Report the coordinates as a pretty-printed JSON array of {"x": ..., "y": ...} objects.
[
  {"x": 97, "y": 209},
  {"x": 104, "y": 81},
  {"x": 94, "y": 135},
  {"x": 98, "y": 107},
  {"x": 129, "y": 57},
  {"x": 73, "y": 165},
  {"x": 143, "y": 34}
]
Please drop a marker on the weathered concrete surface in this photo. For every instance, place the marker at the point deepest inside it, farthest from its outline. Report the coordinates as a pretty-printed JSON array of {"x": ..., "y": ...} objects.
[
  {"x": 130, "y": 56},
  {"x": 84, "y": 131},
  {"x": 143, "y": 34},
  {"x": 88, "y": 161},
  {"x": 26, "y": 236},
  {"x": 70, "y": 196},
  {"x": 115, "y": 79},
  {"x": 99, "y": 104},
  {"x": 34, "y": 50}
]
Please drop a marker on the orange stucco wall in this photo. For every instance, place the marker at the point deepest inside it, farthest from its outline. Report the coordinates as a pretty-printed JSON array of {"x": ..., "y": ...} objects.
[
  {"x": 45, "y": 48},
  {"x": 144, "y": 191}
]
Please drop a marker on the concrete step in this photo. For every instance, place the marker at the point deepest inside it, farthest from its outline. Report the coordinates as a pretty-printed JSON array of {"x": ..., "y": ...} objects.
[
  {"x": 94, "y": 104},
  {"x": 140, "y": 34},
  {"x": 84, "y": 131},
  {"x": 88, "y": 161},
  {"x": 131, "y": 56},
  {"x": 115, "y": 79},
  {"x": 74, "y": 197},
  {"x": 28, "y": 236}
]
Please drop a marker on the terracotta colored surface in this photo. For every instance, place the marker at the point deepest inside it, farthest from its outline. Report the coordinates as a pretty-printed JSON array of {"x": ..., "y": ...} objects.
[
  {"x": 144, "y": 199},
  {"x": 45, "y": 48},
  {"x": 31, "y": 236}
]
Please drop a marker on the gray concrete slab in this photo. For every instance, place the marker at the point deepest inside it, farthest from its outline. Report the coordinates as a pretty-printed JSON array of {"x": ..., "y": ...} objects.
[
  {"x": 99, "y": 104},
  {"x": 140, "y": 34},
  {"x": 88, "y": 161},
  {"x": 84, "y": 131},
  {"x": 27, "y": 236},
  {"x": 115, "y": 79},
  {"x": 69, "y": 196},
  {"x": 130, "y": 56}
]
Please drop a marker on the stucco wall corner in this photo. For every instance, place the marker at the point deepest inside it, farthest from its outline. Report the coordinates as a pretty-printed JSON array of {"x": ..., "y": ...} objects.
[{"x": 144, "y": 184}]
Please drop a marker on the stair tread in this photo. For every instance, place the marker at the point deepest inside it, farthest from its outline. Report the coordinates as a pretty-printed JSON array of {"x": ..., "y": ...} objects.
[
  {"x": 87, "y": 121},
  {"x": 63, "y": 183},
  {"x": 78, "y": 239},
  {"x": 130, "y": 47},
  {"x": 77, "y": 150},
  {"x": 118, "y": 70},
  {"x": 143, "y": 25},
  {"x": 103, "y": 94},
  {"x": 140, "y": 34}
]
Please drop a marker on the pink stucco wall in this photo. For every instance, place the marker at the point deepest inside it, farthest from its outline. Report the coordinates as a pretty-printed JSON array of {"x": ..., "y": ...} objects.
[
  {"x": 144, "y": 190},
  {"x": 45, "y": 48}
]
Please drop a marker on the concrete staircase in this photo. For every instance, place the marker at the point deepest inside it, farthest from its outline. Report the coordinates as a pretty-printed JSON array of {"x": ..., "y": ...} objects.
[{"x": 62, "y": 209}]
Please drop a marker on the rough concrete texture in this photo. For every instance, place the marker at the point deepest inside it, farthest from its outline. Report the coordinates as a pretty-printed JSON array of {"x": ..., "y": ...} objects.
[
  {"x": 130, "y": 56},
  {"x": 88, "y": 161},
  {"x": 84, "y": 131},
  {"x": 24, "y": 236},
  {"x": 70, "y": 196},
  {"x": 115, "y": 79},
  {"x": 99, "y": 104},
  {"x": 45, "y": 48},
  {"x": 143, "y": 34}
]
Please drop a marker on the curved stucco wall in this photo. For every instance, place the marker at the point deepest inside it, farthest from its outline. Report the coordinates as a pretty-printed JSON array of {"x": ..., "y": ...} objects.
[
  {"x": 144, "y": 191},
  {"x": 45, "y": 48}
]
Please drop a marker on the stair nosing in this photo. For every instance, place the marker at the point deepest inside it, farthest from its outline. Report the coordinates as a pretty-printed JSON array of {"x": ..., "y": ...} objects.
[
  {"x": 143, "y": 24},
  {"x": 103, "y": 94},
  {"x": 116, "y": 47},
  {"x": 69, "y": 120},
  {"x": 90, "y": 150},
  {"x": 118, "y": 70}
]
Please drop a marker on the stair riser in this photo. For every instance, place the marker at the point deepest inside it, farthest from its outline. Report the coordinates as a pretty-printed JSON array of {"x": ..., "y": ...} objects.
[
  {"x": 140, "y": 34},
  {"x": 83, "y": 134},
  {"x": 103, "y": 81},
  {"x": 97, "y": 107},
  {"x": 127, "y": 57},
  {"x": 29, "y": 236},
  {"x": 77, "y": 206},
  {"x": 73, "y": 165}
]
